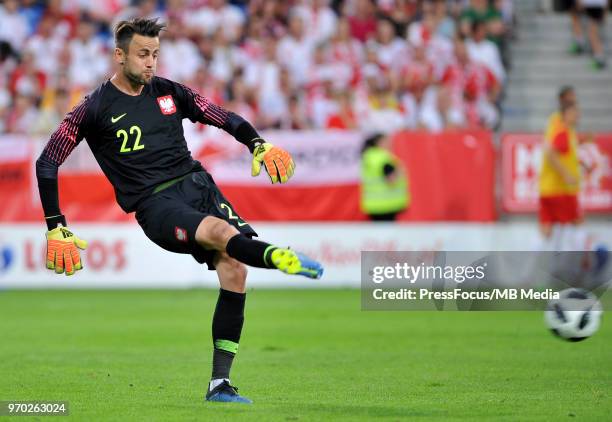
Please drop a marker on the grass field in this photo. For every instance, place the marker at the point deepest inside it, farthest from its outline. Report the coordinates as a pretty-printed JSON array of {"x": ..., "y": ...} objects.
[{"x": 304, "y": 355}]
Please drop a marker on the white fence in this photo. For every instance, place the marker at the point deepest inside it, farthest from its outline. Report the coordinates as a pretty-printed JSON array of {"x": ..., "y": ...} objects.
[{"x": 120, "y": 256}]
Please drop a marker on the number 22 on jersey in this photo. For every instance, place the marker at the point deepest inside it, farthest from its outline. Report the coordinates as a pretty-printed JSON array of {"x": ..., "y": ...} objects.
[{"x": 122, "y": 133}]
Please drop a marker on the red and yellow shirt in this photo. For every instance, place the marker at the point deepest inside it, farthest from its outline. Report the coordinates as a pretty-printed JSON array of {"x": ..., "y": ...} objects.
[{"x": 564, "y": 140}]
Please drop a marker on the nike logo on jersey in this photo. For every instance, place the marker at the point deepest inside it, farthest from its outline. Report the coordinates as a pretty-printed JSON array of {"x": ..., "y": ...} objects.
[{"x": 116, "y": 119}]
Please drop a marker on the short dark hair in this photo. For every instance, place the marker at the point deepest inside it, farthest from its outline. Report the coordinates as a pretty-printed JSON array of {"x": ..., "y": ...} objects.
[
  {"x": 372, "y": 141},
  {"x": 563, "y": 93},
  {"x": 477, "y": 24},
  {"x": 125, "y": 30}
]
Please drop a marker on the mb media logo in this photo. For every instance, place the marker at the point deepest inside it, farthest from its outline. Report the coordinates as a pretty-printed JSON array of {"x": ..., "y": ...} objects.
[{"x": 7, "y": 257}]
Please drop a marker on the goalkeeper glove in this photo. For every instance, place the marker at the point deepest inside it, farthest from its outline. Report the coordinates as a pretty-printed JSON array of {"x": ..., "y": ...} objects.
[
  {"x": 62, "y": 252},
  {"x": 278, "y": 162}
]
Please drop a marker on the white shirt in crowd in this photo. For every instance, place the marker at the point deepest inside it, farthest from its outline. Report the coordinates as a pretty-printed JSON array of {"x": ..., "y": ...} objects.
[
  {"x": 296, "y": 55},
  {"x": 89, "y": 62},
  {"x": 13, "y": 28},
  {"x": 487, "y": 53},
  {"x": 321, "y": 22},
  {"x": 46, "y": 52},
  {"x": 180, "y": 59},
  {"x": 207, "y": 20}
]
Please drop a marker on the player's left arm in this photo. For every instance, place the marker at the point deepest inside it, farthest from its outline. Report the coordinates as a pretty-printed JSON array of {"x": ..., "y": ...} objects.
[{"x": 278, "y": 163}]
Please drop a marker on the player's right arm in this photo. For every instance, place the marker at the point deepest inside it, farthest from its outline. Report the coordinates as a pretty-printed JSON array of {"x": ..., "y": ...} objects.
[{"x": 62, "y": 244}]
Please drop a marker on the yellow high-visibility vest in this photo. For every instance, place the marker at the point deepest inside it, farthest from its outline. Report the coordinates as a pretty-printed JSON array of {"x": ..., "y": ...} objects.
[{"x": 378, "y": 195}]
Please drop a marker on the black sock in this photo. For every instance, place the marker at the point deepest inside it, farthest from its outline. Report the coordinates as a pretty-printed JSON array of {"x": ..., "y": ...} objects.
[
  {"x": 226, "y": 328},
  {"x": 253, "y": 253}
]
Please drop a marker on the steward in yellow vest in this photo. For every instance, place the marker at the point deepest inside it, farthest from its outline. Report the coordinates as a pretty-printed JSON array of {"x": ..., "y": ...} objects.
[{"x": 384, "y": 184}]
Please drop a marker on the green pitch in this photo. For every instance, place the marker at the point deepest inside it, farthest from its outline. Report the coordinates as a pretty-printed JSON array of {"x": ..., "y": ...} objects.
[{"x": 304, "y": 355}]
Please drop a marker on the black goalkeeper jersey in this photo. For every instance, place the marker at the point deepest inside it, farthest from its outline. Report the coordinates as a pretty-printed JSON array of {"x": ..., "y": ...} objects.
[{"x": 137, "y": 140}]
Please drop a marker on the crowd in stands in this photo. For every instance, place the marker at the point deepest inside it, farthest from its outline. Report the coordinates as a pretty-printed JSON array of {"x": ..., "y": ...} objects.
[{"x": 303, "y": 64}]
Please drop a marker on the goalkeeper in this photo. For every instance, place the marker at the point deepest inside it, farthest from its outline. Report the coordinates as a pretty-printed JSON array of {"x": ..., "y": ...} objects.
[{"x": 133, "y": 125}]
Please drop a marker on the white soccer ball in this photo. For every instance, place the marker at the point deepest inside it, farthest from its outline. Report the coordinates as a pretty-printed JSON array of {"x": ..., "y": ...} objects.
[{"x": 575, "y": 316}]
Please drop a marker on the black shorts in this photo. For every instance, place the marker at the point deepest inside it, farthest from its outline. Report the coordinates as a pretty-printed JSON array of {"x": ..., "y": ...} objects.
[
  {"x": 171, "y": 217},
  {"x": 595, "y": 13}
]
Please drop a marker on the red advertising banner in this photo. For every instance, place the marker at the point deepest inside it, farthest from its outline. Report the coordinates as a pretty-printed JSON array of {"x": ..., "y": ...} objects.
[
  {"x": 452, "y": 175},
  {"x": 521, "y": 155},
  {"x": 451, "y": 179}
]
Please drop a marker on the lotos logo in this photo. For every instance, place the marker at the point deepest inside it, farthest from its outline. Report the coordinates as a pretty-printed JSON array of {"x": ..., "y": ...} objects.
[
  {"x": 6, "y": 258},
  {"x": 166, "y": 104},
  {"x": 101, "y": 255}
]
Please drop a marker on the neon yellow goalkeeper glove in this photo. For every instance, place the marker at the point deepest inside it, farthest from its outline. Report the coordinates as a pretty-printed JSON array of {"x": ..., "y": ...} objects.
[
  {"x": 278, "y": 162},
  {"x": 62, "y": 252}
]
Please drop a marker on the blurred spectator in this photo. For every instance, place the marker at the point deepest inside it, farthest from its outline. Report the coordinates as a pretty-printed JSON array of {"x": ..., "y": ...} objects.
[
  {"x": 238, "y": 98},
  {"x": 296, "y": 118},
  {"x": 64, "y": 19},
  {"x": 384, "y": 112},
  {"x": 177, "y": 11},
  {"x": 180, "y": 59},
  {"x": 89, "y": 61},
  {"x": 217, "y": 14},
  {"x": 595, "y": 11},
  {"x": 32, "y": 11},
  {"x": 485, "y": 12},
  {"x": 419, "y": 100},
  {"x": 363, "y": 20},
  {"x": 438, "y": 47},
  {"x": 264, "y": 78},
  {"x": 8, "y": 62},
  {"x": 470, "y": 91},
  {"x": 578, "y": 45},
  {"x": 104, "y": 11},
  {"x": 226, "y": 56},
  {"x": 347, "y": 50},
  {"x": 205, "y": 84},
  {"x": 322, "y": 104},
  {"x": 21, "y": 115},
  {"x": 51, "y": 116},
  {"x": 484, "y": 51},
  {"x": 319, "y": 71},
  {"x": 389, "y": 47},
  {"x": 138, "y": 9},
  {"x": 295, "y": 50},
  {"x": 417, "y": 74},
  {"x": 251, "y": 48},
  {"x": 46, "y": 47},
  {"x": 13, "y": 25},
  {"x": 273, "y": 17},
  {"x": 345, "y": 64},
  {"x": 319, "y": 18},
  {"x": 444, "y": 24},
  {"x": 26, "y": 79},
  {"x": 344, "y": 117},
  {"x": 61, "y": 83},
  {"x": 399, "y": 12},
  {"x": 421, "y": 110}
]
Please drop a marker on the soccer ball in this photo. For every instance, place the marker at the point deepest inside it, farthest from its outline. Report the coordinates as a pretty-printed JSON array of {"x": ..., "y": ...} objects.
[{"x": 574, "y": 316}]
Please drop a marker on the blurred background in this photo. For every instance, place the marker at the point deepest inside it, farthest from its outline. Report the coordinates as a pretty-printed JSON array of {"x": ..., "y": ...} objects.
[{"x": 458, "y": 91}]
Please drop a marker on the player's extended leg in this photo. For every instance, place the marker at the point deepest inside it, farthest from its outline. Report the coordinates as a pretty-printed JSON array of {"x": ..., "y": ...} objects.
[
  {"x": 227, "y": 327},
  {"x": 216, "y": 233}
]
